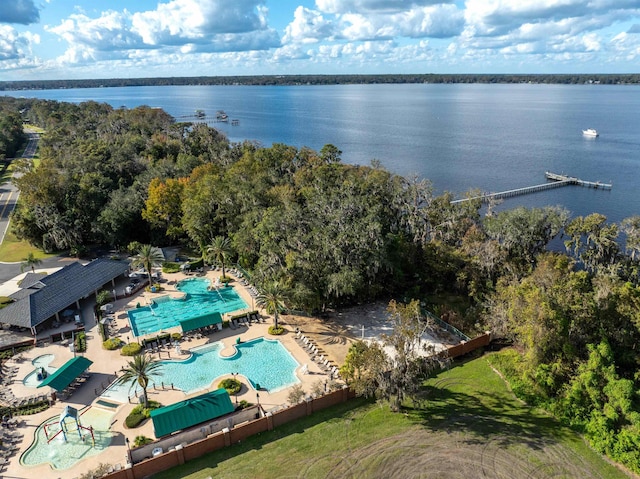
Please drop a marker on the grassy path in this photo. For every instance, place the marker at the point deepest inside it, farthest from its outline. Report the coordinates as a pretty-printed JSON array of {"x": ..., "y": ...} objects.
[{"x": 470, "y": 427}]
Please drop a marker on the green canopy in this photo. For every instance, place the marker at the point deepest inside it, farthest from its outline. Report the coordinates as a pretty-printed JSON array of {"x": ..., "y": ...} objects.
[
  {"x": 190, "y": 412},
  {"x": 66, "y": 373},
  {"x": 208, "y": 319}
]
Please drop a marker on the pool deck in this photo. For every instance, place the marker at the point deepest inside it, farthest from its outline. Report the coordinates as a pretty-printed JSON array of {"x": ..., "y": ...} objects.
[{"x": 106, "y": 364}]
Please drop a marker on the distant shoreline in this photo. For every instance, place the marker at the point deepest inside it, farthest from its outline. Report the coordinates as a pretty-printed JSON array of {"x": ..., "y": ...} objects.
[{"x": 289, "y": 80}]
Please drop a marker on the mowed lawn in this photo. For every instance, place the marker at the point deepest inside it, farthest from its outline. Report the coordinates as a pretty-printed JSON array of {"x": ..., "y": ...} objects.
[{"x": 470, "y": 426}]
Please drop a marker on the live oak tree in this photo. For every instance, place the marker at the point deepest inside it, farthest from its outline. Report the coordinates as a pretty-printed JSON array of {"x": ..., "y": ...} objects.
[
  {"x": 394, "y": 369},
  {"x": 163, "y": 208}
]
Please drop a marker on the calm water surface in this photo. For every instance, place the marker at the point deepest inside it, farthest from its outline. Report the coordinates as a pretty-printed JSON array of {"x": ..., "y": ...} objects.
[{"x": 491, "y": 137}]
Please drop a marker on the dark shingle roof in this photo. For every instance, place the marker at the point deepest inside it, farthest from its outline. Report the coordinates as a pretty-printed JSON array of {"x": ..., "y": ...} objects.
[
  {"x": 31, "y": 279},
  {"x": 37, "y": 303}
]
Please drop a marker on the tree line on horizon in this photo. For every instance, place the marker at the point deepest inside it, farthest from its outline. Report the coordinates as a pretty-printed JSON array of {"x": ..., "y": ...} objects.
[
  {"x": 334, "y": 235},
  {"x": 350, "y": 79}
]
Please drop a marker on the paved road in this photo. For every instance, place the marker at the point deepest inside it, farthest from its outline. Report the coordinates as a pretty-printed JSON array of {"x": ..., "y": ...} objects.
[{"x": 9, "y": 193}]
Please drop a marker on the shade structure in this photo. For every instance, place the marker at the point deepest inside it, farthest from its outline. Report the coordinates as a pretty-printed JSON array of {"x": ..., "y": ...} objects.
[
  {"x": 66, "y": 373},
  {"x": 189, "y": 324},
  {"x": 191, "y": 412}
]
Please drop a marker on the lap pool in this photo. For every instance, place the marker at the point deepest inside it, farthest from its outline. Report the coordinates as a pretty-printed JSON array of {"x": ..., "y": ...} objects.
[
  {"x": 166, "y": 312},
  {"x": 263, "y": 362}
]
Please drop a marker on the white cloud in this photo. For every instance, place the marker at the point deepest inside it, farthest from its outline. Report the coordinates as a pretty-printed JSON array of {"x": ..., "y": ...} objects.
[
  {"x": 110, "y": 31},
  {"x": 196, "y": 20},
  {"x": 14, "y": 45},
  {"x": 200, "y": 37},
  {"x": 308, "y": 26},
  {"x": 438, "y": 21},
  {"x": 177, "y": 27},
  {"x": 369, "y": 6},
  {"x": 19, "y": 11}
]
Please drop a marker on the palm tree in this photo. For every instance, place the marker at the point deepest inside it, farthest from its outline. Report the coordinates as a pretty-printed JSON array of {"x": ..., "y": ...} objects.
[
  {"x": 30, "y": 262},
  {"x": 140, "y": 370},
  {"x": 220, "y": 250},
  {"x": 148, "y": 256},
  {"x": 271, "y": 297}
]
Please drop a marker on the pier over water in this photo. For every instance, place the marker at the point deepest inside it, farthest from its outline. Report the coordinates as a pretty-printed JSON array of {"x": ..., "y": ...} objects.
[{"x": 556, "y": 181}]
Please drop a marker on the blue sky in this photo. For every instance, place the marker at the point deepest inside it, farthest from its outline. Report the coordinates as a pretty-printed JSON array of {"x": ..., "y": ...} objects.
[{"x": 68, "y": 39}]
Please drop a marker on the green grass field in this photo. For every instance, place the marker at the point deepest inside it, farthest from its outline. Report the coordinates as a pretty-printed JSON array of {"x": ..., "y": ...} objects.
[
  {"x": 13, "y": 250},
  {"x": 471, "y": 426}
]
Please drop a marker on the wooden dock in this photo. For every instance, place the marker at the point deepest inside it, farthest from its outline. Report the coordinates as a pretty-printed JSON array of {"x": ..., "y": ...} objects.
[
  {"x": 577, "y": 181},
  {"x": 557, "y": 181}
]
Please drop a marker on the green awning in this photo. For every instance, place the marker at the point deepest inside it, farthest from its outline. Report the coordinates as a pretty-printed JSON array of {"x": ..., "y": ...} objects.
[
  {"x": 191, "y": 412},
  {"x": 66, "y": 373},
  {"x": 208, "y": 319}
]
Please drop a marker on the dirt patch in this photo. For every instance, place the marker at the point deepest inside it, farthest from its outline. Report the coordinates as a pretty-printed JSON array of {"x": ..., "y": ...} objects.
[
  {"x": 337, "y": 330},
  {"x": 423, "y": 454}
]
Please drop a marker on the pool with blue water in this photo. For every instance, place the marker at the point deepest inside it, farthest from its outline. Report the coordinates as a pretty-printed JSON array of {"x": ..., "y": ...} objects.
[
  {"x": 200, "y": 298},
  {"x": 264, "y": 362}
]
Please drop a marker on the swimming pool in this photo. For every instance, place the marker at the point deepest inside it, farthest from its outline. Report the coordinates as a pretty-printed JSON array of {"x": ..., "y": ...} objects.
[
  {"x": 166, "y": 312},
  {"x": 263, "y": 362},
  {"x": 63, "y": 455},
  {"x": 41, "y": 362}
]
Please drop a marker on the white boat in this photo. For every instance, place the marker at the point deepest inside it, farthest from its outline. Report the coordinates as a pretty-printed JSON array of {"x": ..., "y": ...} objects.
[{"x": 590, "y": 132}]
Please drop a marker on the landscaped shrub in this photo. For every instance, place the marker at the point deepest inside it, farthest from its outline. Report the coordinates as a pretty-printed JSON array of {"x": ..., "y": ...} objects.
[
  {"x": 134, "y": 420},
  {"x": 170, "y": 267},
  {"x": 196, "y": 264},
  {"x": 146, "y": 412},
  {"x": 112, "y": 344},
  {"x": 80, "y": 342},
  {"x": 232, "y": 386},
  {"x": 27, "y": 409},
  {"x": 176, "y": 336},
  {"x": 226, "y": 279},
  {"x": 318, "y": 388},
  {"x": 296, "y": 394},
  {"x": 131, "y": 349},
  {"x": 225, "y": 323},
  {"x": 153, "y": 288},
  {"x": 8, "y": 353},
  {"x": 276, "y": 331},
  {"x": 141, "y": 441},
  {"x": 99, "y": 471},
  {"x": 243, "y": 405},
  {"x": 4, "y": 301}
]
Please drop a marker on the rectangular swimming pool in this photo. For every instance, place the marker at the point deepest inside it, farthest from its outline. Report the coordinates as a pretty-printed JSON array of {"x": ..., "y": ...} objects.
[{"x": 200, "y": 298}]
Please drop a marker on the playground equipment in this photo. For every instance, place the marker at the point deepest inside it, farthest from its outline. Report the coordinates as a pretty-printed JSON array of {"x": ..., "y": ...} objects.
[
  {"x": 42, "y": 374},
  {"x": 68, "y": 412}
]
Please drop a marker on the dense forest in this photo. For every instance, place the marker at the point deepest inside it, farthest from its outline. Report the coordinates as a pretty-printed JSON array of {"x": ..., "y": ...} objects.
[
  {"x": 603, "y": 79},
  {"x": 11, "y": 133},
  {"x": 337, "y": 234}
]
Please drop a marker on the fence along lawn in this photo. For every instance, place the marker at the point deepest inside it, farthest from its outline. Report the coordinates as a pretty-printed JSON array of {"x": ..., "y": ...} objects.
[{"x": 471, "y": 426}]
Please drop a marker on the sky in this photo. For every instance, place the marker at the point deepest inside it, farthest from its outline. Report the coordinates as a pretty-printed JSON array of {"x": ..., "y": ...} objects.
[{"x": 74, "y": 39}]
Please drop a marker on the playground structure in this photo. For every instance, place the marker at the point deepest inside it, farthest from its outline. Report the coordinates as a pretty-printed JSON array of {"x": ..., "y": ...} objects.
[{"x": 68, "y": 412}]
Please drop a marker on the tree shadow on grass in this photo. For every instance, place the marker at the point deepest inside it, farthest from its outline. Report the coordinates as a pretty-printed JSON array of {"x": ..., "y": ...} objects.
[{"x": 483, "y": 415}]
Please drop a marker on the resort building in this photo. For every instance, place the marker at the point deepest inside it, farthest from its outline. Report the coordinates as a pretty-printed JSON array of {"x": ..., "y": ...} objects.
[{"x": 45, "y": 301}]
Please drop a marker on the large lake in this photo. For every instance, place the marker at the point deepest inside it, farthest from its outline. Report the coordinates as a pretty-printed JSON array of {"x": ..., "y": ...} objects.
[{"x": 491, "y": 137}]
